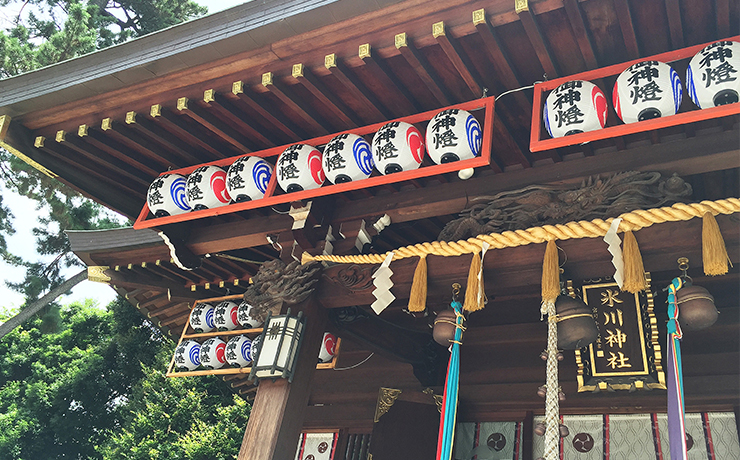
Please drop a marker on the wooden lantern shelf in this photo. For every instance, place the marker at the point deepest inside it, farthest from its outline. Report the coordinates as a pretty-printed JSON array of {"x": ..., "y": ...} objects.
[
  {"x": 273, "y": 196},
  {"x": 171, "y": 372},
  {"x": 540, "y": 140}
]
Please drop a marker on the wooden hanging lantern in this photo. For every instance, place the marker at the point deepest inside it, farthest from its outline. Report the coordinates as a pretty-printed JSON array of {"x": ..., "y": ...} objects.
[{"x": 576, "y": 326}]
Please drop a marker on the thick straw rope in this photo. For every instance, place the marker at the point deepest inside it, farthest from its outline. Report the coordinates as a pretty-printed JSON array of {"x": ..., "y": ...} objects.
[
  {"x": 552, "y": 401},
  {"x": 596, "y": 228}
]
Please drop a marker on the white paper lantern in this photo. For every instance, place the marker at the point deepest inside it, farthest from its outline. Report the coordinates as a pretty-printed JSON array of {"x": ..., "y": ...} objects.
[
  {"x": 225, "y": 316},
  {"x": 397, "y": 146},
  {"x": 247, "y": 179},
  {"x": 453, "y": 135},
  {"x": 574, "y": 107},
  {"x": 255, "y": 348},
  {"x": 328, "y": 348},
  {"x": 238, "y": 351},
  {"x": 712, "y": 78},
  {"x": 646, "y": 90},
  {"x": 187, "y": 355},
  {"x": 201, "y": 318},
  {"x": 245, "y": 318},
  {"x": 299, "y": 168},
  {"x": 206, "y": 188},
  {"x": 166, "y": 196},
  {"x": 213, "y": 353},
  {"x": 346, "y": 158}
]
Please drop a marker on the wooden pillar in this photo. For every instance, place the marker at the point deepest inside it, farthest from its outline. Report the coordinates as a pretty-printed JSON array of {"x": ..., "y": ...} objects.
[{"x": 279, "y": 407}]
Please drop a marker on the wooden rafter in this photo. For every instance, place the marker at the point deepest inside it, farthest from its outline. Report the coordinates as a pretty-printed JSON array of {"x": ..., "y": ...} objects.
[
  {"x": 422, "y": 68},
  {"x": 177, "y": 126},
  {"x": 225, "y": 133},
  {"x": 97, "y": 140},
  {"x": 673, "y": 11},
  {"x": 375, "y": 109},
  {"x": 458, "y": 59},
  {"x": 117, "y": 133},
  {"x": 723, "y": 17},
  {"x": 544, "y": 55},
  {"x": 501, "y": 62},
  {"x": 225, "y": 111},
  {"x": 401, "y": 97},
  {"x": 147, "y": 127},
  {"x": 307, "y": 114},
  {"x": 624, "y": 15},
  {"x": 238, "y": 96},
  {"x": 312, "y": 83},
  {"x": 579, "y": 28}
]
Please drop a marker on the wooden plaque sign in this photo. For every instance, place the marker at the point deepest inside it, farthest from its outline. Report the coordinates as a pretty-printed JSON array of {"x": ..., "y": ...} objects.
[{"x": 626, "y": 354}]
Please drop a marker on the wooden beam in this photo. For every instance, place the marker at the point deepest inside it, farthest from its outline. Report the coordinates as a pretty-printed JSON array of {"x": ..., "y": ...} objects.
[
  {"x": 177, "y": 126},
  {"x": 270, "y": 120},
  {"x": 93, "y": 137},
  {"x": 535, "y": 37},
  {"x": 307, "y": 114},
  {"x": 504, "y": 69},
  {"x": 376, "y": 111},
  {"x": 132, "y": 141},
  {"x": 624, "y": 15},
  {"x": 326, "y": 97},
  {"x": 279, "y": 407},
  {"x": 455, "y": 55},
  {"x": 673, "y": 11},
  {"x": 579, "y": 28},
  {"x": 226, "y": 112},
  {"x": 723, "y": 22},
  {"x": 377, "y": 68},
  {"x": 223, "y": 132},
  {"x": 147, "y": 127},
  {"x": 426, "y": 73}
]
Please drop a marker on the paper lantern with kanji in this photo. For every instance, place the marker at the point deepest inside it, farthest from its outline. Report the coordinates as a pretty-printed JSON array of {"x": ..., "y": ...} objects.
[
  {"x": 328, "y": 348},
  {"x": 201, "y": 318},
  {"x": 245, "y": 316},
  {"x": 255, "y": 348},
  {"x": 453, "y": 135},
  {"x": 238, "y": 351},
  {"x": 712, "y": 77},
  {"x": 299, "y": 168},
  {"x": 347, "y": 158},
  {"x": 213, "y": 353},
  {"x": 646, "y": 90},
  {"x": 225, "y": 316},
  {"x": 247, "y": 179},
  {"x": 187, "y": 355},
  {"x": 206, "y": 188},
  {"x": 574, "y": 107},
  {"x": 166, "y": 196},
  {"x": 397, "y": 146}
]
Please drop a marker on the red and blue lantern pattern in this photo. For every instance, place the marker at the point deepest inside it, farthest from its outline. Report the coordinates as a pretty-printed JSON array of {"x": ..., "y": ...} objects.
[
  {"x": 328, "y": 348},
  {"x": 299, "y": 168},
  {"x": 213, "y": 353},
  {"x": 206, "y": 188},
  {"x": 574, "y": 107},
  {"x": 166, "y": 196},
  {"x": 187, "y": 355},
  {"x": 453, "y": 135},
  {"x": 247, "y": 178},
  {"x": 347, "y": 157},
  {"x": 244, "y": 316},
  {"x": 201, "y": 318},
  {"x": 238, "y": 351},
  {"x": 396, "y": 147},
  {"x": 225, "y": 316},
  {"x": 712, "y": 77},
  {"x": 646, "y": 90}
]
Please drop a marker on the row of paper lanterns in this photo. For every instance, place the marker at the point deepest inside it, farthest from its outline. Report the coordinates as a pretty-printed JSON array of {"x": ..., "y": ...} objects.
[
  {"x": 452, "y": 135},
  {"x": 646, "y": 90},
  {"x": 239, "y": 351}
]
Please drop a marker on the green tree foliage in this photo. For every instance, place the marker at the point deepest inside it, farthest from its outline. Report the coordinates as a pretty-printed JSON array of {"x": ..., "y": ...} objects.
[{"x": 96, "y": 390}]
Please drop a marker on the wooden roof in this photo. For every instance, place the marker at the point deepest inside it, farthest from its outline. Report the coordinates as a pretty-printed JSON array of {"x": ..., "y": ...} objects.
[{"x": 110, "y": 135}]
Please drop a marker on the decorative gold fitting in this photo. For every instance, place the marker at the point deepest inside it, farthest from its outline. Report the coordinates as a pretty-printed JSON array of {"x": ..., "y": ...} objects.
[
  {"x": 59, "y": 136},
  {"x": 207, "y": 286},
  {"x": 297, "y": 70},
  {"x": 82, "y": 130},
  {"x": 236, "y": 282},
  {"x": 237, "y": 87},
  {"x": 521, "y": 6},
  {"x": 400, "y": 40},
  {"x": 193, "y": 287},
  {"x": 182, "y": 103},
  {"x": 221, "y": 284},
  {"x": 364, "y": 51},
  {"x": 479, "y": 17},
  {"x": 131, "y": 118},
  {"x": 130, "y": 266},
  {"x": 39, "y": 142},
  {"x": 106, "y": 124},
  {"x": 330, "y": 60},
  {"x": 97, "y": 273},
  {"x": 4, "y": 123},
  {"x": 386, "y": 398},
  {"x": 155, "y": 111},
  {"x": 267, "y": 79},
  {"x": 209, "y": 95},
  {"x": 143, "y": 265},
  {"x": 438, "y": 29}
]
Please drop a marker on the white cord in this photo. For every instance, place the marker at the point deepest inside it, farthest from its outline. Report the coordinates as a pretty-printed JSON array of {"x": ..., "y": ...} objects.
[
  {"x": 355, "y": 365},
  {"x": 515, "y": 90}
]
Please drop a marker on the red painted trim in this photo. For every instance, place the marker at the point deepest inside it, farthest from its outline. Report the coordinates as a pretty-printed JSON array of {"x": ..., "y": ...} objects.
[
  {"x": 272, "y": 197},
  {"x": 476, "y": 440},
  {"x": 303, "y": 446},
  {"x": 540, "y": 140},
  {"x": 334, "y": 446},
  {"x": 606, "y": 436},
  {"x": 517, "y": 439},
  {"x": 656, "y": 437},
  {"x": 708, "y": 436},
  {"x": 561, "y": 441}
]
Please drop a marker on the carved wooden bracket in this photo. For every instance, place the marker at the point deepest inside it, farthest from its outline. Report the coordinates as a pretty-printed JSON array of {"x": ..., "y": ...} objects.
[
  {"x": 276, "y": 283},
  {"x": 386, "y": 398}
]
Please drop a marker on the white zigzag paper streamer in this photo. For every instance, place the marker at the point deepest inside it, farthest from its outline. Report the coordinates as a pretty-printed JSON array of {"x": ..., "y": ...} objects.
[
  {"x": 612, "y": 239},
  {"x": 383, "y": 284}
]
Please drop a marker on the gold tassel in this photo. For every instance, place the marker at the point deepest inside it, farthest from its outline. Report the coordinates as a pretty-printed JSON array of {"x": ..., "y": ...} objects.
[
  {"x": 473, "y": 287},
  {"x": 634, "y": 270},
  {"x": 713, "y": 250},
  {"x": 418, "y": 296},
  {"x": 550, "y": 273}
]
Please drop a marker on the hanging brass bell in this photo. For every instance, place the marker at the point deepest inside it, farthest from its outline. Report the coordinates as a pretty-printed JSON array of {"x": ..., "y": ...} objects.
[
  {"x": 696, "y": 308},
  {"x": 444, "y": 327},
  {"x": 576, "y": 326}
]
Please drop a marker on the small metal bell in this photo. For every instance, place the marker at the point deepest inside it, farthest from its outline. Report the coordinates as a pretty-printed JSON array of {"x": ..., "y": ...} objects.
[
  {"x": 564, "y": 431},
  {"x": 539, "y": 429},
  {"x": 444, "y": 327},
  {"x": 576, "y": 326},
  {"x": 542, "y": 391},
  {"x": 543, "y": 355},
  {"x": 696, "y": 308}
]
